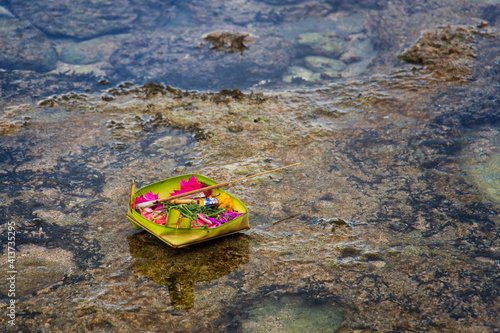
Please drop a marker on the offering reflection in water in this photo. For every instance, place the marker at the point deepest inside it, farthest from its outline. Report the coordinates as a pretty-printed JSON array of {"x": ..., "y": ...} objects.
[{"x": 179, "y": 269}]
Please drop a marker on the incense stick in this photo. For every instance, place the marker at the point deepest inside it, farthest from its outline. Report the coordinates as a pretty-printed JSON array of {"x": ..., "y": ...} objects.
[{"x": 155, "y": 202}]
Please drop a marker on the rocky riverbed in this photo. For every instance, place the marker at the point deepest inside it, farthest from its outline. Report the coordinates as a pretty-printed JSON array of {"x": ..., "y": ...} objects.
[{"x": 390, "y": 223}]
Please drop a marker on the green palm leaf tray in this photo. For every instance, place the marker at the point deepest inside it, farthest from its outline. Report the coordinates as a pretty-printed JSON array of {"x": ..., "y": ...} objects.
[{"x": 181, "y": 237}]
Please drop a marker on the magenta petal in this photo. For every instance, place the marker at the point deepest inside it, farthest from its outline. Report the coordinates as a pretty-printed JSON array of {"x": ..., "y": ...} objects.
[
  {"x": 193, "y": 183},
  {"x": 187, "y": 186},
  {"x": 150, "y": 196},
  {"x": 183, "y": 184},
  {"x": 146, "y": 197},
  {"x": 225, "y": 217},
  {"x": 211, "y": 219}
]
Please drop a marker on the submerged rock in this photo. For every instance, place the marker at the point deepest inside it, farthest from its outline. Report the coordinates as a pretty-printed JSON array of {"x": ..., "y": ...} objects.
[
  {"x": 89, "y": 51},
  {"x": 40, "y": 267},
  {"x": 213, "y": 12},
  {"x": 79, "y": 18},
  {"x": 447, "y": 50},
  {"x": 293, "y": 313},
  {"x": 22, "y": 46},
  {"x": 280, "y": 2},
  {"x": 491, "y": 14},
  {"x": 345, "y": 4},
  {"x": 328, "y": 66},
  {"x": 357, "y": 48},
  {"x": 14, "y": 117},
  {"x": 4, "y": 12},
  {"x": 154, "y": 13},
  {"x": 296, "y": 73},
  {"x": 435, "y": 45},
  {"x": 176, "y": 57},
  {"x": 227, "y": 41},
  {"x": 324, "y": 44}
]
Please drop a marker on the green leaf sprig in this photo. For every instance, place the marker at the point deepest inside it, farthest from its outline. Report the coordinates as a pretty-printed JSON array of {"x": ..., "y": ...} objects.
[{"x": 191, "y": 210}]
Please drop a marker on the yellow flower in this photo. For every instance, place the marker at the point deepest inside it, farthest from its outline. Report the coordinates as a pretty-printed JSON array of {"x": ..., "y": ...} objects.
[{"x": 225, "y": 201}]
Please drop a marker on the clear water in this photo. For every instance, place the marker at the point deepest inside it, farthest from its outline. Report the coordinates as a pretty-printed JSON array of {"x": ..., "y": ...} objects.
[{"x": 389, "y": 224}]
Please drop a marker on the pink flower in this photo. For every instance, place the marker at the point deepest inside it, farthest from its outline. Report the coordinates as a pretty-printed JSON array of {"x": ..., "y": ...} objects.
[
  {"x": 204, "y": 220},
  {"x": 160, "y": 221},
  {"x": 148, "y": 197},
  {"x": 154, "y": 216},
  {"x": 187, "y": 186},
  {"x": 190, "y": 185}
]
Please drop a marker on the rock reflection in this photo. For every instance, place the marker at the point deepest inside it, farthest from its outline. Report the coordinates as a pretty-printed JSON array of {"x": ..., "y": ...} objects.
[{"x": 179, "y": 269}]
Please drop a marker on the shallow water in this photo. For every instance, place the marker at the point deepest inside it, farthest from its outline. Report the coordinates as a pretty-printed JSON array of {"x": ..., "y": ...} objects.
[{"x": 390, "y": 223}]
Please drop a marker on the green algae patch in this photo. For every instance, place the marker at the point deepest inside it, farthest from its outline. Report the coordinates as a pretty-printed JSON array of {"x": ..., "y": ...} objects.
[{"x": 483, "y": 170}]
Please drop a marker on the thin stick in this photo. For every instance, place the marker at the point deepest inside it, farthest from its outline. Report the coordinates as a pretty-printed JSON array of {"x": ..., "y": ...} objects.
[
  {"x": 286, "y": 218},
  {"x": 203, "y": 189}
]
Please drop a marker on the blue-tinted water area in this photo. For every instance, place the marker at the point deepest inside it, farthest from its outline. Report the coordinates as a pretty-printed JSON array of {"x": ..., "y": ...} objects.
[{"x": 389, "y": 224}]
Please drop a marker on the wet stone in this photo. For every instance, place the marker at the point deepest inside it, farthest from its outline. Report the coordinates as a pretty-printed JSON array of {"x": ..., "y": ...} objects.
[
  {"x": 484, "y": 169},
  {"x": 40, "y": 267},
  {"x": 291, "y": 313},
  {"x": 89, "y": 51},
  {"x": 342, "y": 4},
  {"x": 491, "y": 14},
  {"x": 170, "y": 56},
  {"x": 23, "y": 46},
  {"x": 213, "y": 12},
  {"x": 280, "y": 2},
  {"x": 227, "y": 41},
  {"x": 13, "y": 118},
  {"x": 297, "y": 74},
  {"x": 5, "y": 12},
  {"x": 447, "y": 50},
  {"x": 357, "y": 48},
  {"x": 329, "y": 66},
  {"x": 80, "y": 18},
  {"x": 154, "y": 13},
  {"x": 234, "y": 127},
  {"x": 324, "y": 44}
]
